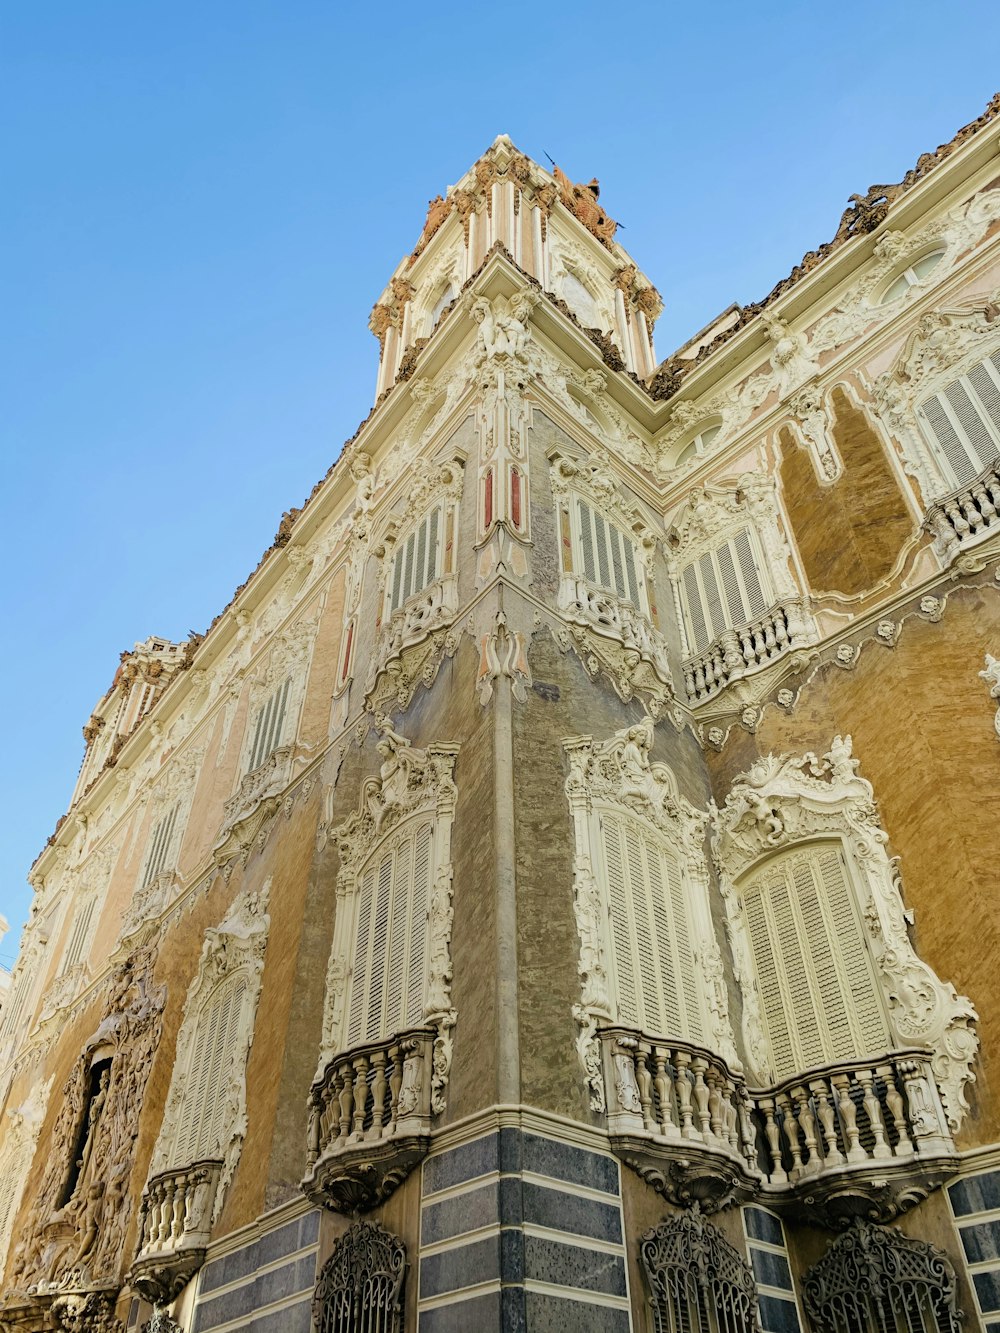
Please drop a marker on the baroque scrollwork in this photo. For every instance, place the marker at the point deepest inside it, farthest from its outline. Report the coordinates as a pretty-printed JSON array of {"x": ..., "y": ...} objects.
[{"x": 786, "y": 800}]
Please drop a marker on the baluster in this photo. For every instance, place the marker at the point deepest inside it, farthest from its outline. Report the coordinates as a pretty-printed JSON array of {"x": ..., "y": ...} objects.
[
  {"x": 748, "y": 1130},
  {"x": 746, "y": 646},
  {"x": 360, "y": 1094},
  {"x": 770, "y": 636},
  {"x": 956, "y": 520},
  {"x": 682, "y": 1090},
  {"x": 182, "y": 1190},
  {"x": 698, "y": 1067},
  {"x": 758, "y": 643},
  {"x": 791, "y": 1127},
  {"x": 993, "y": 486},
  {"x": 894, "y": 1101},
  {"x": 972, "y": 514},
  {"x": 807, "y": 1124},
  {"x": 827, "y": 1120},
  {"x": 699, "y": 677},
  {"x": 378, "y": 1094},
  {"x": 395, "y": 1083},
  {"x": 781, "y": 629},
  {"x": 158, "y": 1229},
  {"x": 689, "y": 682},
  {"x": 874, "y": 1112},
  {"x": 664, "y": 1099},
  {"x": 730, "y": 1116},
  {"x": 848, "y": 1118},
  {"x": 715, "y": 1116},
  {"x": 773, "y": 1135},
  {"x": 923, "y": 1121},
  {"x": 983, "y": 502},
  {"x": 346, "y": 1102},
  {"x": 644, "y": 1082}
]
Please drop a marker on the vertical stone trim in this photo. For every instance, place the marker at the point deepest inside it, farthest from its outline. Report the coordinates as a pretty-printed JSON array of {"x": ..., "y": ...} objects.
[{"x": 768, "y": 1252}]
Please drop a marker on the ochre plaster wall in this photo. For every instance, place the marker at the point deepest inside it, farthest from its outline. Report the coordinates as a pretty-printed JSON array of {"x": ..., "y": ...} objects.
[
  {"x": 922, "y": 726},
  {"x": 849, "y": 534}
]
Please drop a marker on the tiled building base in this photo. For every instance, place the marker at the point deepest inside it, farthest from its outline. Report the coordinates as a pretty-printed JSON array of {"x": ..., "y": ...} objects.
[
  {"x": 263, "y": 1287},
  {"x": 521, "y": 1232}
]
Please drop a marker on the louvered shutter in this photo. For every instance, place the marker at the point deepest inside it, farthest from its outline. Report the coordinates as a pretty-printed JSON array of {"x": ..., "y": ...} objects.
[
  {"x": 79, "y": 935},
  {"x": 722, "y": 589},
  {"x": 964, "y": 421},
  {"x": 389, "y": 976},
  {"x": 160, "y": 847},
  {"x": 586, "y": 517},
  {"x": 12, "y": 1170},
  {"x": 269, "y": 725},
  {"x": 607, "y": 554},
  {"x": 651, "y": 937},
  {"x": 202, "y": 1124},
  {"x": 416, "y": 971},
  {"x": 418, "y": 562},
  {"x": 819, "y": 995}
]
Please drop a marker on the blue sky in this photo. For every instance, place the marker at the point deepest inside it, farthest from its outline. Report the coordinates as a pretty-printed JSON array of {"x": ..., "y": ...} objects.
[{"x": 202, "y": 201}]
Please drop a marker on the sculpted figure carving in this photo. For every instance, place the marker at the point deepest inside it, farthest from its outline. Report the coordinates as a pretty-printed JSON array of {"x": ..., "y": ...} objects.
[
  {"x": 503, "y": 324},
  {"x": 790, "y": 356}
]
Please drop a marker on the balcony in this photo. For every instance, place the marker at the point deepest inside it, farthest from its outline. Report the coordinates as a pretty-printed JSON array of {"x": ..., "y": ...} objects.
[
  {"x": 174, "y": 1228},
  {"x": 619, "y": 637},
  {"x": 748, "y": 648},
  {"x": 369, "y": 1121},
  {"x": 859, "y": 1138},
  {"x": 967, "y": 515}
]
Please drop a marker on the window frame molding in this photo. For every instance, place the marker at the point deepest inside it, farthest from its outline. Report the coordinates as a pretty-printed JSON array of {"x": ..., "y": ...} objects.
[
  {"x": 235, "y": 947},
  {"x": 622, "y": 637},
  {"x": 413, "y": 783},
  {"x": 400, "y": 658},
  {"x": 22, "y": 1126},
  {"x": 944, "y": 346},
  {"x": 790, "y": 801},
  {"x": 711, "y": 516},
  {"x": 617, "y": 775}
]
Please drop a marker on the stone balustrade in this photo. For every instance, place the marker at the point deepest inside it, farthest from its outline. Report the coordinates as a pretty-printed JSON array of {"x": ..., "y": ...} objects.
[
  {"x": 432, "y": 608},
  {"x": 174, "y": 1230},
  {"x": 836, "y": 1141},
  {"x": 614, "y": 618},
  {"x": 968, "y": 514},
  {"x": 369, "y": 1120},
  {"x": 738, "y": 652}
]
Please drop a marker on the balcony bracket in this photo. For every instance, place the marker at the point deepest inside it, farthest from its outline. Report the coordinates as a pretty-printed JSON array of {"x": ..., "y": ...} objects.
[
  {"x": 688, "y": 1174},
  {"x": 356, "y": 1180}
]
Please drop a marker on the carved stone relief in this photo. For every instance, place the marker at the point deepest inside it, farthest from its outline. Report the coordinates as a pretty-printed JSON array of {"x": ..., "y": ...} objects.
[
  {"x": 618, "y": 773},
  {"x": 991, "y": 675},
  {"x": 75, "y": 1243},
  {"x": 411, "y": 781},
  {"x": 786, "y": 800}
]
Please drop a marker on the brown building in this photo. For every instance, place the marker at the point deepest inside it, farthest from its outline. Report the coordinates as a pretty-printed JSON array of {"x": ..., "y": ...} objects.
[{"x": 558, "y": 892}]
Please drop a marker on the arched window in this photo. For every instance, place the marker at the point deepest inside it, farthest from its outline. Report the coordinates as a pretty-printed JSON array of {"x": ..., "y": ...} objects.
[
  {"x": 446, "y": 295},
  {"x": 876, "y": 1280},
  {"x": 389, "y": 971},
  {"x": 360, "y": 1288},
  {"x": 726, "y": 586},
  {"x": 820, "y": 998},
  {"x": 580, "y": 300},
  {"x": 698, "y": 446},
  {"x": 698, "y": 1283}
]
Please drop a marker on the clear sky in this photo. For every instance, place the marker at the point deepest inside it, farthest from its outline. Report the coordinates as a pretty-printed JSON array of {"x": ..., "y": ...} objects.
[{"x": 203, "y": 200}]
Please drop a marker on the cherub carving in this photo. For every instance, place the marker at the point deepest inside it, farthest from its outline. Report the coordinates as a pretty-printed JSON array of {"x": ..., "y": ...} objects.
[{"x": 503, "y": 324}]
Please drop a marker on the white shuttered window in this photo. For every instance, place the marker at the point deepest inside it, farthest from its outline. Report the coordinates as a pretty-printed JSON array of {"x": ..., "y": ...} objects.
[
  {"x": 652, "y": 939},
  {"x": 820, "y": 998},
  {"x": 419, "y": 560},
  {"x": 723, "y": 589},
  {"x": 389, "y": 976},
  {"x": 160, "y": 856},
  {"x": 963, "y": 422},
  {"x": 605, "y": 554},
  {"x": 79, "y": 936},
  {"x": 268, "y": 725},
  {"x": 201, "y": 1122}
]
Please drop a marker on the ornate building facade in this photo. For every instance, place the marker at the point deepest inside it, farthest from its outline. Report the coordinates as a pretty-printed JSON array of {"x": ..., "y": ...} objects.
[{"x": 556, "y": 892}]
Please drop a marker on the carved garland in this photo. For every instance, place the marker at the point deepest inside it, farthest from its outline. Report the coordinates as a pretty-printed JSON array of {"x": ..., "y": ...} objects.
[
  {"x": 411, "y": 782},
  {"x": 235, "y": 946},
  {"x": 788, "y": 800},
  {"x": 617, "y": 773}
]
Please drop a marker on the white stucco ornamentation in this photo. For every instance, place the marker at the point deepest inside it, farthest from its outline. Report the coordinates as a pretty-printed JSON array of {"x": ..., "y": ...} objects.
[
  {"x": 617, "y": 775},
  {"x": 411, "y": 782},
  {"x": 785, "y": 801}
]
